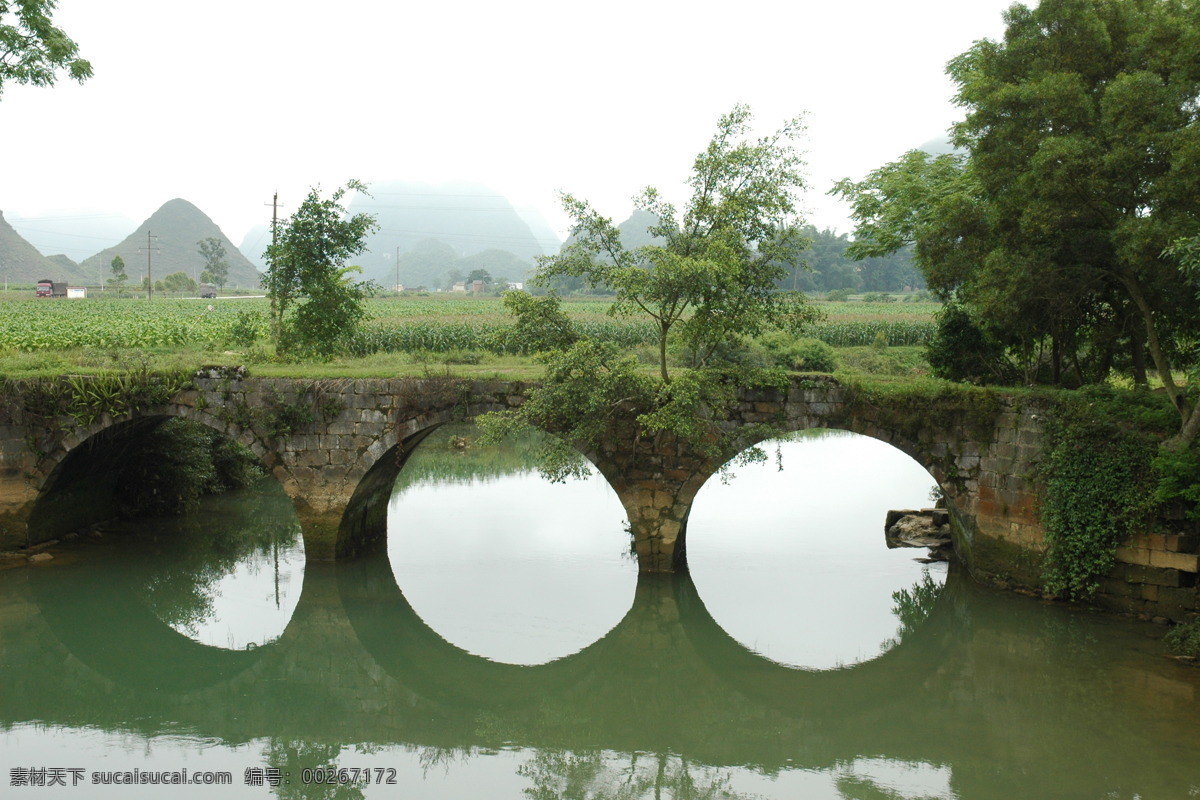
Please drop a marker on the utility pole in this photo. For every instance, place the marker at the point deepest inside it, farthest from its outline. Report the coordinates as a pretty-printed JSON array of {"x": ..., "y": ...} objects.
[
  {"x": 150, "y": 249},
  {"x": 397, "y": 269},
  {"x": 271, "y": 265},
  {"x": 274, "y": 216}
]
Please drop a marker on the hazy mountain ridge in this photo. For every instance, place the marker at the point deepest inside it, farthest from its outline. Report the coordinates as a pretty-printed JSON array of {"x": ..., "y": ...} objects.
[
  {"x": 175, "y": 230},
  {"x": 76, "y": 234},
  {"x": 476, "y": 228},
  {"x": 20, "y": 261}
]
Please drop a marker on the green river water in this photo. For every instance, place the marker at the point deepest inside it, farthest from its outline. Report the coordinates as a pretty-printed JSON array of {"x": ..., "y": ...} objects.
[{"x": 504, "y": 646}]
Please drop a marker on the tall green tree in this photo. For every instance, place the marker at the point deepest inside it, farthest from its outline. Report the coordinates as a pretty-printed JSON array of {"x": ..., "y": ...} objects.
[
  {"x": 1081, "y": 167},
  {"x": 711, "y": 270},
  {"x": 706, "y": 274},
  {"x": 119, "y": 277},
  {"x": 216, "y": 268},
  {"x": 32, "y": 49},
  {"x": 315, "y": 301}
]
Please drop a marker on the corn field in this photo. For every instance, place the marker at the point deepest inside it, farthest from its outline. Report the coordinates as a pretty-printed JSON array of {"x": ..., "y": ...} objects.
[{"x": 403, "y": 325}]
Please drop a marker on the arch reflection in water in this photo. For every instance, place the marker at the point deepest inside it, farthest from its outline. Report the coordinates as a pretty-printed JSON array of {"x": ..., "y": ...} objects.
[
  {"x": 228, "y": 575},
  {"x": 792, "y": 562},
  {"x": 501, "y": 562}
]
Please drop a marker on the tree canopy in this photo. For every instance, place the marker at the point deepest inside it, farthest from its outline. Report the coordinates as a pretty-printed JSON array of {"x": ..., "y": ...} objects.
[
  {"x": 1079, "y": 167},
  {"x": 32, "y": 49},
  {"x": 710, "y": 270},
  {"x": 707, "y": 275},
  {"x": 216, "y": 268},
  {"x": 315, "y": 301},
  {"x": 119, "y": 276}
]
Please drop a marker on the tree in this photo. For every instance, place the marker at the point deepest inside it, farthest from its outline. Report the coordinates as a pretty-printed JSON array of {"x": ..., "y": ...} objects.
[
  {"x": 315, "y": 302},
  {"x": 216, "y": 268},
  {"x": 707, "y": 275},
  {"x": 32, "y": 49},
  {"x": 1080, "y": 166},
  {"x": 481, "y": 275},
  {"x": 119, "y": 278},
  {"x": 178, "y": 282},
  {"x": 711, "y": 272}
]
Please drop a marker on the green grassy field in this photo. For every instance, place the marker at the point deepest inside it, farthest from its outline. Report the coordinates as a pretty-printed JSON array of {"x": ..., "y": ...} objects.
[{"x": 405, "y": 335}]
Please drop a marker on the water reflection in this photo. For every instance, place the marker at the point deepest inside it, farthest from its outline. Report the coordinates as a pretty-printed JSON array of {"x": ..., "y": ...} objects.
[
  {"x": 501, "y": 562},
  {"x": 980, "y": 696},
  {"x": 789, "y": 554},
  {"x": 228, "y": 577},
  {"x": 991, "y": 697}
]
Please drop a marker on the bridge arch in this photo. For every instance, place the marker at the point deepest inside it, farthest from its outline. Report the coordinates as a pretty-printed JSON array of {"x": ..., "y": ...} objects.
[
  {"x": 362, "y": 528},
  {"x": 658, "y": 477},
  {"x": 75, "y": 478},
  {"x": 981, "y": 447},
  {"x": 919, "y": 452}
]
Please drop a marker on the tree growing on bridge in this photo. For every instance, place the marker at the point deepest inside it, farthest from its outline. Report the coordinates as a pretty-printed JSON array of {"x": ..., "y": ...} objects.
[
  {"x": 315, "y": 301},
  {"x": 712, "y": 270},
  {"x": 707, "y": 276}
]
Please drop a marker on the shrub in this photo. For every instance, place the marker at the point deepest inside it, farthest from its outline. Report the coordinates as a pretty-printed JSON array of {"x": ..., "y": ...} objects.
[
  {"x": 1184, "y": 639},
  {"x": 815, "y": 355},
  {"x": 782, "y": 350},
  {"x": 1178, "y": 474},
  {"x": 961, "y": 350}
]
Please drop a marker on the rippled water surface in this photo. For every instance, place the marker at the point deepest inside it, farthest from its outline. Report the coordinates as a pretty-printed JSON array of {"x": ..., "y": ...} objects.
[{"x": 504, "y": 646}]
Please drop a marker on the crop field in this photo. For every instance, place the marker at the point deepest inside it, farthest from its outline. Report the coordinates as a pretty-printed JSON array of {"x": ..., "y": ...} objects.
[
  {"x": 407, "y": 324},
  {"x": 62, "y": 324}
]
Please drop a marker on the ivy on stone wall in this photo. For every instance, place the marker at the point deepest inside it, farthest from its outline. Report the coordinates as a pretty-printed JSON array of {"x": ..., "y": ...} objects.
[{"x": 1098, "y": 478}]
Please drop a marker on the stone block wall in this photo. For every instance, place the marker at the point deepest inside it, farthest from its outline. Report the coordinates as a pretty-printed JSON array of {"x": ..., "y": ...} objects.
[
  {"x": 17, "y": 462},
  {"x": 338, "y": 463},
  {"x": 1155, "y": 575}
]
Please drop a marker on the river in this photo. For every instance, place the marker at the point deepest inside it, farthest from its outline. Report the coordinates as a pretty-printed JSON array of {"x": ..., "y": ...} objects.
[{"x": 504, "y": 646}]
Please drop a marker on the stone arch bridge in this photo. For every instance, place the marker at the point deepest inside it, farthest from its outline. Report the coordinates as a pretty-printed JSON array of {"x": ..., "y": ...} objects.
[{"x": 336, "y": 447}]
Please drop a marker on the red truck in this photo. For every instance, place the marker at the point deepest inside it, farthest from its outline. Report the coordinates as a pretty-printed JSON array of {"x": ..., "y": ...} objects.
[{"x": 49, "y": 288}]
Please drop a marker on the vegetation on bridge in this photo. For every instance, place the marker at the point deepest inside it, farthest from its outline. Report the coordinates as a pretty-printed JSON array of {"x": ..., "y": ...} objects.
[{"x": 706, "y": 281}]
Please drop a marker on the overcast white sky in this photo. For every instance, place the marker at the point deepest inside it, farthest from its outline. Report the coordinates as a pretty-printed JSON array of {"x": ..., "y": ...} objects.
[{"x": 227, "y": 101}]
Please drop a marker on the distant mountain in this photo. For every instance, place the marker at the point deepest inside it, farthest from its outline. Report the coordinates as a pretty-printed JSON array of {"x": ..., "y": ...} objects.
[
  {"x": 176, "y": 229},
  {"x": 545, "y": 235},
  {"x": 63, "y": 262},
  {"x": 940, "y": 146},
  {"x": 20, "y": 261},
  {"x": 467, "y": 218},
  {"x": 634, "y": 231},
  {"x": 254, "y": 244},
  {"x": 75, "y": 233}
]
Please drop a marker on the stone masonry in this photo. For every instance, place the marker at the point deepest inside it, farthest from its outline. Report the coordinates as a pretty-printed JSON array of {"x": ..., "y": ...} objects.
[{"x": 336, "y": 447}]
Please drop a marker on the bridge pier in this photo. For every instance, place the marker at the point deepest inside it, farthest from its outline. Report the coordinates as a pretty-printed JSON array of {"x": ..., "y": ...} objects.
[{"x": 656, "y": 480}]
